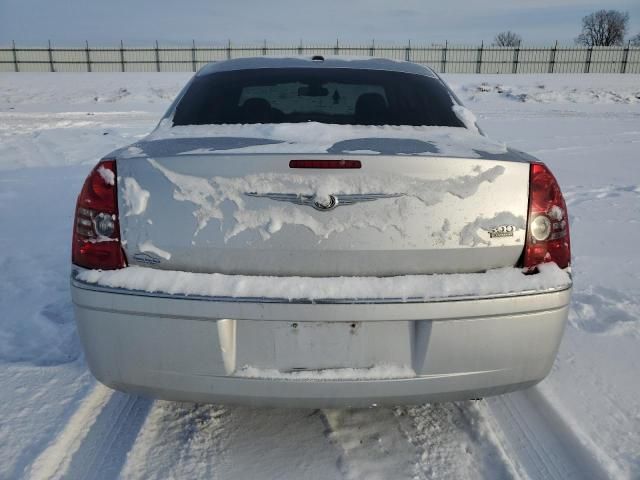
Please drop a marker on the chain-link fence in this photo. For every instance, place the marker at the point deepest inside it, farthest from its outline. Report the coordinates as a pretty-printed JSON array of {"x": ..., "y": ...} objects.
[{"x": 442, "y": 58}]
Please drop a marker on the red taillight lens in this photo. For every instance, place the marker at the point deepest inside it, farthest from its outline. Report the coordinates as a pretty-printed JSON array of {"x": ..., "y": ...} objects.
[
  {"x": 325, "y": 164},
  {"x": 548, "y": 224},
  {"x": 96, "y": 230}
]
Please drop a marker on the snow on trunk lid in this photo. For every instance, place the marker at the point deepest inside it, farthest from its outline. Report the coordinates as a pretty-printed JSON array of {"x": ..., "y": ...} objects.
[{"x": 252, "y": 214}]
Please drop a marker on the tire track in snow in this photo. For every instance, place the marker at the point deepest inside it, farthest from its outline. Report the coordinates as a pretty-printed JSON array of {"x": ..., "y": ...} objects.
[
  {"x": 616, "y": 434},
  {"x": 536, "y": 437},
  {"x": 95, "y": 442},
  {"x": 104, "y": 450},
  {"x": 55, "y": 459}
]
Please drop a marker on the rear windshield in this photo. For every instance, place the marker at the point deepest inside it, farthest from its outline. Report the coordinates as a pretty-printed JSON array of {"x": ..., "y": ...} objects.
[{"x": 336, "y": 96}]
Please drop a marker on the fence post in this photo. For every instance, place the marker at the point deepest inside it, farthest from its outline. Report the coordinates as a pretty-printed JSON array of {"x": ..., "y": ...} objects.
[
  {"x": 264, "y": 48},
  {"x": 407, "y": 52},
  {"x": 516, "y": 57},
  {"x": 587, "y": 62},
  {"x": 51, "y": 58},
  {"x": 372, "y": 49},
  {"x": 193, "y": 55},
  {"x": 15, "y": 57},
  {"x": 625, "y": 58},
  {"x": 552, "y": 58},
  {"x": 122, "y": 55},
  {"x": 479, "y": 59},
  {"x": 443, "y": 62},
  {"x": 229, "y": 50},
  {"x": 336, "y": 49},
  {"x": 300, "y": 48},
  {"x": 88, "y": 56},
  {"x": 157, "y": 57}
]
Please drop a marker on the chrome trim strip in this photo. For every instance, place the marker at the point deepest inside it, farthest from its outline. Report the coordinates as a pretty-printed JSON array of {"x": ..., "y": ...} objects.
[{"x": 306, "y": 301}]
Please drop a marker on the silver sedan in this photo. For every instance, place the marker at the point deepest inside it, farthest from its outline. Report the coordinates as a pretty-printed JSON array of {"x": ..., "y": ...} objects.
[{"x": 320, "y": 232}]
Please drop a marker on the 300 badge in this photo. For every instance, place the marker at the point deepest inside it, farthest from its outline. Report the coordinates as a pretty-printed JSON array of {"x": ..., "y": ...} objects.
[{"x": 502, "y": 231}]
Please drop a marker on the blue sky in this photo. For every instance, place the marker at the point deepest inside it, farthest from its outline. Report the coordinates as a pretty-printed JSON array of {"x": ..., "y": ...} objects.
[{"x": 141, "y": 22}]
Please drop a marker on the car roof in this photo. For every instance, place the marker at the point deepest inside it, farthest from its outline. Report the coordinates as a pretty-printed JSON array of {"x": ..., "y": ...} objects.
[{"x": 356, "y": 63}]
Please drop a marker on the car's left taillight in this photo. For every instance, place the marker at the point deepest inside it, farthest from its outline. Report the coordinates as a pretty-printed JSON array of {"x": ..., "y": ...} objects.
[{"x": 96, "y": 230}]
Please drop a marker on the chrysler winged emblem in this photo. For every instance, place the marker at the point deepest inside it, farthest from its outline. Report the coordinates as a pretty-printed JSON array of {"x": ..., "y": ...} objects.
[{"x": 326, "y": 203}]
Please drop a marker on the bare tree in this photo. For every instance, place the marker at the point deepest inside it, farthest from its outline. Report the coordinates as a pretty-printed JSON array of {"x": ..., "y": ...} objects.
[
  {"x": 635, "y": 41},
  {"x": 603, "y": 28},
  {"x": 507, "y": 39}
]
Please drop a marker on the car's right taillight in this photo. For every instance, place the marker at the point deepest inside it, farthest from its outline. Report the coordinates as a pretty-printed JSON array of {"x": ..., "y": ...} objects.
[
  {"x": 547, "y": 237},
  {"x": 96, "y": 230}
]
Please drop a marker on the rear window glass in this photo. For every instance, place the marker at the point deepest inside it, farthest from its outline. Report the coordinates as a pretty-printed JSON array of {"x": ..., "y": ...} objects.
[{"x": 335, "y": 96}]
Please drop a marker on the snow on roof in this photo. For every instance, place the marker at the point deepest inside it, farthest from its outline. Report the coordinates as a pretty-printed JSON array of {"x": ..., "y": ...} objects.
[{"x": 363, "y": 63}]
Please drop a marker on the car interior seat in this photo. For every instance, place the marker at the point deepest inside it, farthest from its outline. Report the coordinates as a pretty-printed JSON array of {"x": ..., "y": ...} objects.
[
  {"x": 371, "y": 109},
  {"x": 256, "y": 110}
]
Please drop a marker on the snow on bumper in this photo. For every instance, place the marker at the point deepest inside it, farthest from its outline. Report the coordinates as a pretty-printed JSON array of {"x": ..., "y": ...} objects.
[{"x": 261, "y": 350}]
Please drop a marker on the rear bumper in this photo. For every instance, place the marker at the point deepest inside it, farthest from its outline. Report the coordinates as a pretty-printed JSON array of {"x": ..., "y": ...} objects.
[{"x": 194, "y": 349}]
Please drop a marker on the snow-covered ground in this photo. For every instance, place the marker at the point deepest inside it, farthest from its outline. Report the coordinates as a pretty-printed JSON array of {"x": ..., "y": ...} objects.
[{"x": 56, "y": 422}]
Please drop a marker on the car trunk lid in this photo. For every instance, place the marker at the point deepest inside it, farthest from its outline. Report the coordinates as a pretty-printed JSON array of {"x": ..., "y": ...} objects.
[{"x": 252, "y": 214}]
